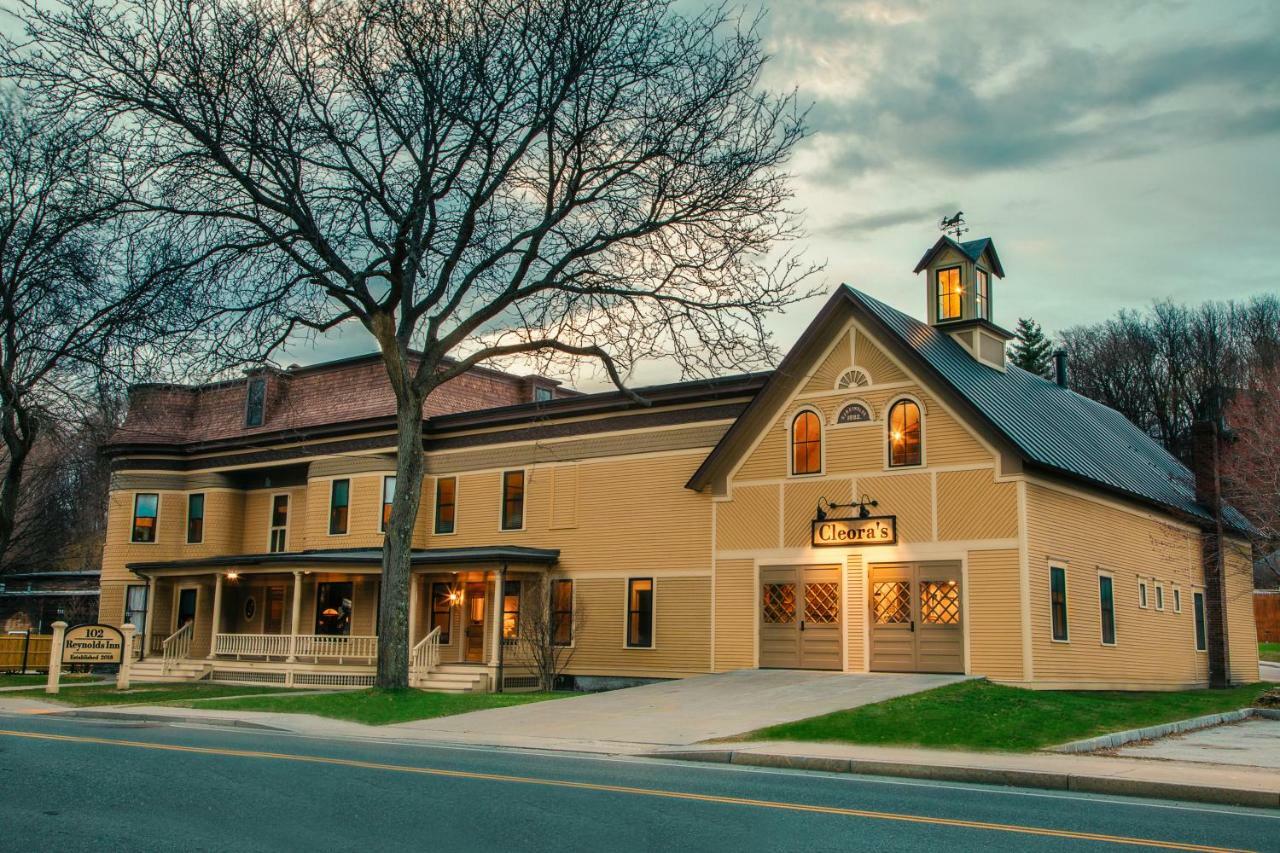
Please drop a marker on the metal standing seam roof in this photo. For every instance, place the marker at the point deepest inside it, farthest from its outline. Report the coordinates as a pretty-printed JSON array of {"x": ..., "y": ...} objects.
[{"x": 1053, "y": 426}]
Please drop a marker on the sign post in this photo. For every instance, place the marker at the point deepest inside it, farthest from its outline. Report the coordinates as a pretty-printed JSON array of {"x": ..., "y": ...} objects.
[
  {"x": 55, "y": 656},
  {"x": 126, "y": 660}
]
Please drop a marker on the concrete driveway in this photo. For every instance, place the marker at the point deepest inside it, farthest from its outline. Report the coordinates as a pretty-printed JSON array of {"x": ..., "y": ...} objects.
[{"x": 677, "y": 712}]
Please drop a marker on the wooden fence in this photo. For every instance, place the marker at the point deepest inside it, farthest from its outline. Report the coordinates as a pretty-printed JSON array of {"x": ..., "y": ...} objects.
[
  {"x": 1266, "y": 611},
  {"x": 37, "y": 652}
]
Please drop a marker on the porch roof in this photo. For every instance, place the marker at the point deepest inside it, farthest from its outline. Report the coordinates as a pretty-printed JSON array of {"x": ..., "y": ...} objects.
[{"x": 365, "y": 556}]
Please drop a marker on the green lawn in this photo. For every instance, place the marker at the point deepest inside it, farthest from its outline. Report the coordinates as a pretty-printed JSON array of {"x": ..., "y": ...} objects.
[
  {"x": 984, "y": 716},
  {"x": 15, "y": 680},
  {"x": 1269, "y": 651},
  {"x": 377, "y": 707},
  {"x": 145, "y": 694}
]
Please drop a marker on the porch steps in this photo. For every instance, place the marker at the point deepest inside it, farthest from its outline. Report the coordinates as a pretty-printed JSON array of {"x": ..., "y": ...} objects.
[
  {"x": 448, "y": 679},
  {"x": 152, "y": 669}
]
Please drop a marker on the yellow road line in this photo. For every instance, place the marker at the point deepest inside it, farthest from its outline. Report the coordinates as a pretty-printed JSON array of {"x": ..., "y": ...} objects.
[{"x": 623, "y": 789}]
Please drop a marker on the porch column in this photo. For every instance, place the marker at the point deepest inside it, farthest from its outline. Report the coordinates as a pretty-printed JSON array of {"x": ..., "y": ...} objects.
[
  {"x": 497, "y": 620},
  {"x": 297, "y": 617},
  {"x": 149, "y": 627},
  {"x": 217, "y": 614},
  {"x": 414, "y": 588}
]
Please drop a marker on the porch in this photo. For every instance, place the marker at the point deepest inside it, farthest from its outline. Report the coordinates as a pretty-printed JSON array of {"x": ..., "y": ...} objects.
[{"x": 317, "y": 626}]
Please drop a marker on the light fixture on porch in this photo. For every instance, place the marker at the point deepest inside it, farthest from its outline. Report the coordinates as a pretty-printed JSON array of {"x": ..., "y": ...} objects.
[{"x": 233, "y": 576}]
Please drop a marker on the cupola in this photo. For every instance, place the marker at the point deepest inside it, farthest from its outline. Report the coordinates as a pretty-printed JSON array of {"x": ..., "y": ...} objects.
[{"x": 959, "y": 295}]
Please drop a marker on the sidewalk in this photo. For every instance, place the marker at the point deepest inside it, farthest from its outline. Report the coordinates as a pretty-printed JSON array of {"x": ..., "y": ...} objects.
[{"x": 1093, "y": 773}]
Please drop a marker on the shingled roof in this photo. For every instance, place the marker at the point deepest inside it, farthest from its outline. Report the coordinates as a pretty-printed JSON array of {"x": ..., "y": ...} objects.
[{"x": 1053, "y": 427}]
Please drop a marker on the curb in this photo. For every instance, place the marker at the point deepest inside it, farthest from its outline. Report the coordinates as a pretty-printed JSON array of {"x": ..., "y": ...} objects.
[
  {"x": 168, "y": 718},
  {"x": 1110, "y": 741},
  {"x": 989, "y": 776}
]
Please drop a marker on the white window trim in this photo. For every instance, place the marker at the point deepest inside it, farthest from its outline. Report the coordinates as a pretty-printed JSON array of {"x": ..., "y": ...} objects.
[
  {"x": 133, "y": 518},
  {"x": 328, "y": 510},
  {"x": 288, "y": 517},
  {"x": 435, "y": 504},
  {"x": 1115, "y": 623},
  {"x": 626, "y": 613},
  {"x": 204, "y": 512},
  {"x": 1066, "y": 589},
  {"x": 1177, "y": 600},
  {"x": 1195, "y": 640},
  {"x": 884, "y": 435},
  {"x": 573, "y": 603},
  {"x": 822, "y": 444},
  {"x": 502, "y": 501},
  {"x": 1144, "y": 595}
]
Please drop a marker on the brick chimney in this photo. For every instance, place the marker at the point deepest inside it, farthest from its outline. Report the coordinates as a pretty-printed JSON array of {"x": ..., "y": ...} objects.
[{"x": 1204, "y": 465}]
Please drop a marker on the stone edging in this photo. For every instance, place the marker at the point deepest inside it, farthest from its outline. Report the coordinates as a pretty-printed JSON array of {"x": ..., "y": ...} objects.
[{"x": 1115, "y": 739}]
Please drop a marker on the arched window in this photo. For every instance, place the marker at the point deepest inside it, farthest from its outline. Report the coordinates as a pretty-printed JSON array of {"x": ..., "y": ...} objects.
[
  {"x": 852, "y": 413},
  {"x": 905, "y": 444},
  {"x": 806, "y": 444},
  {"x": 854, "y": 377}
]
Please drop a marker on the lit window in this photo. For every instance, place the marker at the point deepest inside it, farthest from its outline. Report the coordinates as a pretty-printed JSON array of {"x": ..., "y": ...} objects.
[
  {"x": 562, "y": 612},
  {"x": 446, "y": 504},
  {"x": 640, "y": 613},
  {"x": 195, "y": 519},
  {"x": 949, "y": 293},
  {"x": 905, "y": 445},
  {"x": 388, "y": 495},
  {"x": 145, "y": 509},
  {"x": 1202, "y": 637},
  {"x": 853, "y": 413},
  {"x": 279, "y": 523},
  {"x": 510, "y": 610},
  {"x": 333, "y": 608},
  {"x": 983, "y": 295},
  {"x": 512, "y": 500},
  {"x": 1058, "y": 601},
  {"x": 1107, "y": 608},
  {"x": 255, "y": 405},
  {"x": 339, "y": 501},
  {"x": 806, "y": 444}
]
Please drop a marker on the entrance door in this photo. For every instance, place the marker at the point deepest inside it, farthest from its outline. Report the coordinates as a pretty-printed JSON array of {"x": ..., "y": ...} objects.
[
  {"x": 273, "y": 617},
  {"x": 186, "y": 610},
  {"x": 916, "y": 623},
  {"x": 800, "y": 617},
  {"x": 474, "y": 629}
]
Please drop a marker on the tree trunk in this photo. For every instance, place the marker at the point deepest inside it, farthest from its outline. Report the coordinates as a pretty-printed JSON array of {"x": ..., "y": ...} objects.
[
  {"x": 397, "y": 549},
  {"x": 19, "y": 437}
]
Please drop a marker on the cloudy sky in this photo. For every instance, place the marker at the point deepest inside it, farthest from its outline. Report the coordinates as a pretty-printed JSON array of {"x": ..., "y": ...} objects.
[{"x": 1118, "y": 152}]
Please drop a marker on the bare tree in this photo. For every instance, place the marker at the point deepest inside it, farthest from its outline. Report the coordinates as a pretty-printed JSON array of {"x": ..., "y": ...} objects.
[
  {"x": 547, "y": 631},
  {"x": 578, "y": 181},
  {"x": 1251, "y": 461}
]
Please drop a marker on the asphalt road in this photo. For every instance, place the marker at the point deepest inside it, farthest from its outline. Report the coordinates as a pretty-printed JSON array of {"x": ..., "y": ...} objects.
[{"x": 91, "y": 785}]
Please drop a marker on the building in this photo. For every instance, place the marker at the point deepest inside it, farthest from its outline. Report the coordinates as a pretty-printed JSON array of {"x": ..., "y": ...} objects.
[
  {"x": 893, "y": 497},
  {"x": 33, "y": 601}
]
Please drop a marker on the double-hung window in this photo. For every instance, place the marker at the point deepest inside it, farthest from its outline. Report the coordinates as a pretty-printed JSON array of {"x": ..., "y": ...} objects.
[
  {"x": 135, "y": 607},
  {"x": 146, "y": 510},
  {"x": 1202, "y": 636},
  {"x": 1058, "y": 602},
  {"x": 195, "y": 519},
  {"x": 512, "y": 500},
  {"x": 511, "y": 610},
  {"x": 562, "y": 612},
  {"x": 1107, "y": 609},
  {"x": 446, "y": 504},
  {"x": 640, "y": 613},
  {"x": 388, "y": 495},
  {"x": 339, "y": 502},
  {"x": 442, "y": 598},
  {"x": 279, "y": 523}
]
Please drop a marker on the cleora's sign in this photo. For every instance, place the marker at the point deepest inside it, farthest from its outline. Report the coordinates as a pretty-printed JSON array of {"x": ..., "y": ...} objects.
[{"x": 874, "y": 530}]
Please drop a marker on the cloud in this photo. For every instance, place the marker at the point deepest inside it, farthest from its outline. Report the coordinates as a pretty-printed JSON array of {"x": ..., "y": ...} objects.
[{"x": 861, "y": 224}]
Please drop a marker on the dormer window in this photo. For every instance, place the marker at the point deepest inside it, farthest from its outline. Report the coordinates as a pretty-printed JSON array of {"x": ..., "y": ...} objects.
[
  {"x": 255, "y": 405},
  {"x": 950, "y": 293},
  {"x": 542, "y": 394},
  {"x": 982, "y": 296}
]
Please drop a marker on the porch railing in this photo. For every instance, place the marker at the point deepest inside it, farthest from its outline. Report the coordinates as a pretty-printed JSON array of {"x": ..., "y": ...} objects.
[
  {"x": 425, "y": 655},
  {"x": 177, "y": 646},
  {"x": 328, "y": 646}
]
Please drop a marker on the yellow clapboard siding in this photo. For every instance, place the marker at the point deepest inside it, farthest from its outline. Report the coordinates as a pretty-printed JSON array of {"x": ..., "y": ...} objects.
[
  {"x": 875, "y": 361},
  {"x": 1242, "y": 631},
  {"x": 856, "y": 610},
  {"x": 745, "y": 521},
  {"x": 909, "y": 497},
  {"x": 735, "y": 617},
  {"x": 837, "y": 361},
  {"x": 972, "y": 505},
  {"x": 682, "y": 628},
  {"x": 994, "y": 619},
  {"x": 800, "y": 502}
]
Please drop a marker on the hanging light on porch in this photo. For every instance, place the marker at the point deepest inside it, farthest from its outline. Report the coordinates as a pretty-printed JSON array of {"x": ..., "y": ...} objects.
[{"x": 233, "y": 576}]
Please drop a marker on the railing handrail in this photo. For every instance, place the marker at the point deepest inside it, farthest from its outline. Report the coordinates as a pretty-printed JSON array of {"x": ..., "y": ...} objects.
[
  {"x": 177, "y": 644},
  {"x": 425, "y": 656}
]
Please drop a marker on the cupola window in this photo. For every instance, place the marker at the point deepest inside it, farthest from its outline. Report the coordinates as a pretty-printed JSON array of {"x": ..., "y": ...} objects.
[
  {"x": 949, "y": 293},
  {"x": 982, "y": 297},
  {"x": 806, "y": 444},
  {"x": 905, "y": 445}
]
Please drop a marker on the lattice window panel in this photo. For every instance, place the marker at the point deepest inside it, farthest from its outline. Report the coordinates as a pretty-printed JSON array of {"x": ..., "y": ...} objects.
[
  {"x": 821, "y": 603},
  {"x": 891, "y": 602},
  {"x": 940, "y": 602},
  {"x": 779, "y": 603}
]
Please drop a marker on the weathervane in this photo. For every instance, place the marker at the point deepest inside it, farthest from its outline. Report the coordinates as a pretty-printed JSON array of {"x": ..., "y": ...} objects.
[{"x": 955, "y": 224}]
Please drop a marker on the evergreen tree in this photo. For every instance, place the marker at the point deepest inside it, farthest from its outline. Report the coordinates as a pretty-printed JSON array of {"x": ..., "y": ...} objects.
[{"x": 1032, "y": 351}]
